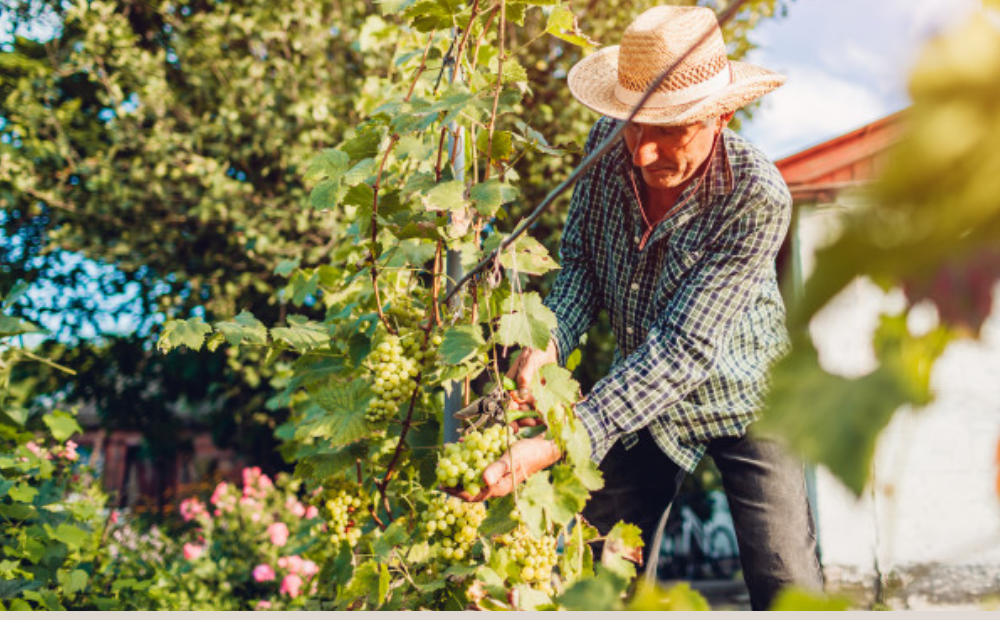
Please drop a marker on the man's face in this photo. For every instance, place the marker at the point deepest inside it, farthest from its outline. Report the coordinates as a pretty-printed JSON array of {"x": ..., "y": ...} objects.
[{"x": 670, "y": 156}]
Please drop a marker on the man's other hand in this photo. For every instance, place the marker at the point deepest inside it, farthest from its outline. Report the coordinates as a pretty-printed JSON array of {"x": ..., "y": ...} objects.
[
  {"x": 523, "y": 372},
  {"x": 524, "y": 458}
]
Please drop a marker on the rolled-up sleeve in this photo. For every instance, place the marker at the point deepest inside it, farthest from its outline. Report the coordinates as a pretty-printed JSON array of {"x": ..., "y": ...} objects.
[{"x": 685, "y": 341}]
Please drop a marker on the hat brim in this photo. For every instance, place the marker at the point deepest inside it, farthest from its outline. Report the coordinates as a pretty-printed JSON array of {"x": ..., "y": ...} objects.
[{"x": 592, "y": 81}]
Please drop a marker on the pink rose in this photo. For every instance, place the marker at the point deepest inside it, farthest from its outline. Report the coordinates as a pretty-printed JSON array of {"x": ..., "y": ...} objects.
[
  {"x": 292, "y": 563},
  {"x": 70, "y": 452},
  {"x": 220, "y": 490},
  {"x": 290, "y": 585},
  {"x": 114, "y": 517},
  {"x": 311, "y": 512},
  {"x": 263, "y": 605},
  {"x": 263, "y": 572},
  {"x": 249, "y": 503},
  {"x": 191, "y": 508},
  {"x": 309, "y": 568},
  {"x": 192, "y": 551},
  {"x": 264, "y": 482},
  {"x": 295, "y": 507},
  {"x": 33, "y": 448},
  {"x": 278, "y": 533}
]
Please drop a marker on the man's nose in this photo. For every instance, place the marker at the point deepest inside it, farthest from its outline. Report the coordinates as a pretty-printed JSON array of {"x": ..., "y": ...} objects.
[{"x": 645, "y": 152}]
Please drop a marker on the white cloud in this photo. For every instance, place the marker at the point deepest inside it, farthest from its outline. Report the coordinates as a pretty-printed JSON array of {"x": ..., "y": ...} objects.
[{"x": 810, "y": 108}]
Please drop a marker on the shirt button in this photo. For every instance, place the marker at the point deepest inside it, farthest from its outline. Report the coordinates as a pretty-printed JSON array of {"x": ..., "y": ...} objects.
[
  {"x": 629, "y": 331},
  {"x": 635, "y": 286},
  {"x": 636, "y": 239}
]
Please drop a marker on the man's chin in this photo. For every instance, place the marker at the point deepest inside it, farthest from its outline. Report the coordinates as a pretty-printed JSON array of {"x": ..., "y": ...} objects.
[{"x": 662, "y": 179}]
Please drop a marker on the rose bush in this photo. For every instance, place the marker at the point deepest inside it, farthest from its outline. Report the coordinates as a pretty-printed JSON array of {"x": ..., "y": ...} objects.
[{"x": 248, "y": 546}]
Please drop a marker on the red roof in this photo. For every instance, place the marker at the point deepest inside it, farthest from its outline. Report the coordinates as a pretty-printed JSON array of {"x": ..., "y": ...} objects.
[{"x": 818, "y": 173}]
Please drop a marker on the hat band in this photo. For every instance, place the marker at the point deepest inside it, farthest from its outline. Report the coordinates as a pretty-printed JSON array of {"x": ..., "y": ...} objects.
[{"x": 682, "y": 96}]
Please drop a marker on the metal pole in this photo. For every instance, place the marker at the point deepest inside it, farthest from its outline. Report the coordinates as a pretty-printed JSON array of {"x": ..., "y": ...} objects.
[{"x": 453, "y": 267}]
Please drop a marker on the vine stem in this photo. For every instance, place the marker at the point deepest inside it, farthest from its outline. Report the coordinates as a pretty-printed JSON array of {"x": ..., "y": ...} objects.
[
  {"x": 590, "y": 160},
  {"x": 465, "y": 37},
  {"x": 496, "y": 96},
  {"x": 378, "y": 185},
  {"x": 479, "y": 41}
]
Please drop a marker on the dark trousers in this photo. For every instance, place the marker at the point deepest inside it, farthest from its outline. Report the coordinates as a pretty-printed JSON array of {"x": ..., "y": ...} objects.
[{"x": 767, "y": 497}]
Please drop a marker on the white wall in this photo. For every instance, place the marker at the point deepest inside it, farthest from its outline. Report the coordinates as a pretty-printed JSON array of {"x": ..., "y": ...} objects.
[{"x": 932, "y": 514}]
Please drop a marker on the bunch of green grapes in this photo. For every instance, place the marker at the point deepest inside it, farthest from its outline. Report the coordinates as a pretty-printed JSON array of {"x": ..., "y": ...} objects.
[
  {"x": 344, "y": 505},
  {"x": 534, "y": 556},
  {"x": 397, "y": 364},
  {"x": 403, "y": 313},
  {"x": 463, "y": 463},
  {"x": 452, "y": 527}
]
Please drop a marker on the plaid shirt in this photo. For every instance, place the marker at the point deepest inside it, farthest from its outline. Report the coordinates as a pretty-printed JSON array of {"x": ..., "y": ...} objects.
[{"x": 694, "y": 301}]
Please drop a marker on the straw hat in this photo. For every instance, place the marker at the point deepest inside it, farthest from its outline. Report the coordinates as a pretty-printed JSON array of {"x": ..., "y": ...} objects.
[{"x": 705, "y": 83}]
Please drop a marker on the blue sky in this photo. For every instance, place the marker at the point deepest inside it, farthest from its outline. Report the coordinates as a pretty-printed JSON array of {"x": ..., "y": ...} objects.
[{"x": 846, "y": 62}]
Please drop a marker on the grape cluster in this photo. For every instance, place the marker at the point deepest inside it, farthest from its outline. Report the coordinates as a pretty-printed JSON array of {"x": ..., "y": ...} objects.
[
  {"x": 452, "y": 526},
  {"x": 463, "y": 463},
  {"x": 344, "y": 506},
  {"x": 535, "y": 557},
  {"x": 396, "y": 368}
]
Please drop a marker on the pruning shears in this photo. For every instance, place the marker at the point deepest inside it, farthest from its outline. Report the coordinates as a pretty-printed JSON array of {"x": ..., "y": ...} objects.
[
  {"x": 489, "y": 410},
  {"x": 485, "y": 411}
]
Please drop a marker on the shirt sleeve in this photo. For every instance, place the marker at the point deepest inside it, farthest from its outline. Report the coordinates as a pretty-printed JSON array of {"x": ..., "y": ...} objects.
[
  {"x": 683, "y": 344},
  {"x": 573, "y": 298}
]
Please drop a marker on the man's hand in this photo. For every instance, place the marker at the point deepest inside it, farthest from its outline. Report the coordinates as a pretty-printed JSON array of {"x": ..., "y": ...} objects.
[
  {"x": 524, "y": 458},
  {"x": 523, "y": 373}
]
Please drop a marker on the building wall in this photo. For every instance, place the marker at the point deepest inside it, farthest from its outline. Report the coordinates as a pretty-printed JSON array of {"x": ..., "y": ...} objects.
[{"x": 931, "y": 519}]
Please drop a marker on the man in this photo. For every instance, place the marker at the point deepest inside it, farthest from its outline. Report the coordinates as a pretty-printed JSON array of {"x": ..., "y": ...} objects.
[{"x": 675, "y": 233}]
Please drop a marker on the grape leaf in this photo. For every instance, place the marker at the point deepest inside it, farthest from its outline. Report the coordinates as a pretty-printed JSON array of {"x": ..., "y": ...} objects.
[
  {"x": 460, "y": 343},
  {"x": 394, "y": 535},
  {"x": 528, "y": 255},
  {"x": 319, "y": 462},
  {"x": 601, "y": 592},
  {"x": 345, "y": 423},
  {"x": 562, "y": 24},
  {"x": 498, "y": 520},
  {"x": 365, "y": 583},
  {"x": 835, "y": 420},
  {"x": 15, "y": 293},
  {"x": 500, "y": 149},
  {"x": 62, "y": 425},
  {"x": 23, "y": 493},
  {"x": 554, "y": 387},
  {"x": 680, "y": 597},
  {"x": 327, "y": 194},
  {"x": 365, "y": 143},
  {"x": 13, "y": 326},
  {"x": 577, "y": 559},
  {"x": 513, "y": 71},
  {"x": 331, "y": 164},
  {"x": 244, "y": 328},
  {"x": 179, "y": 332},
  {"x": 73, "y": 581},
  {"x": 559, "y": 501},
  {"x": 794, "y": 599},
  {"x": 302, "y": 334},
  {"x": 622, "y": 546},
  {"x": 527, "y": 322},
  {"x": 570, "y": 494},
  {"x": 447, "y": 196},
  {"x": 73, "y": 536},
  {"x": 489, "y": 196},
  {"x": 287, "y": 266}
]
